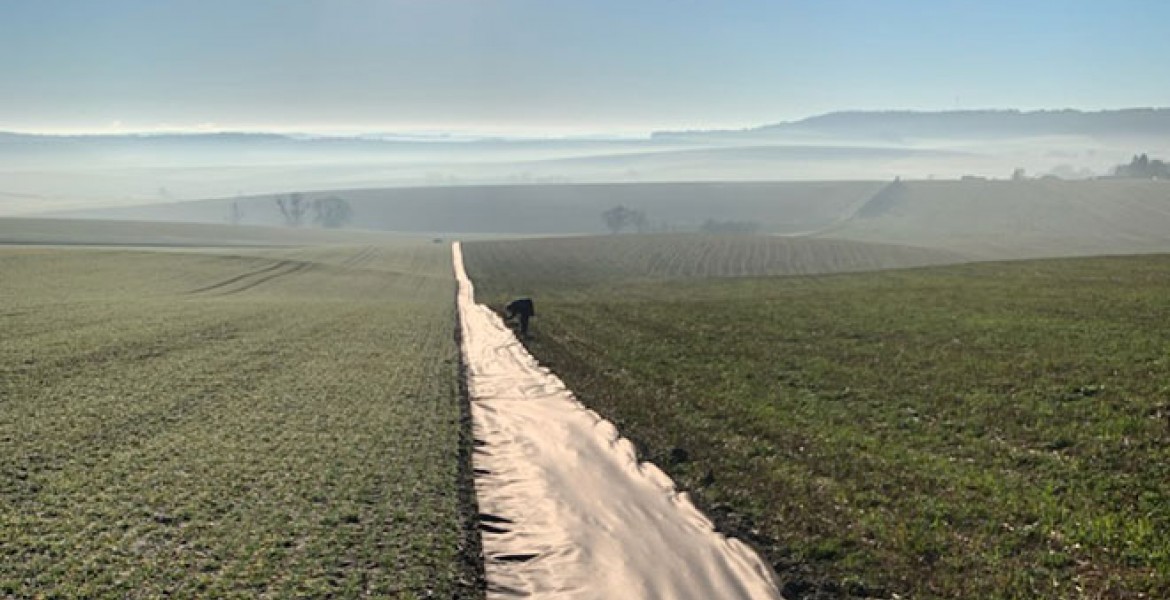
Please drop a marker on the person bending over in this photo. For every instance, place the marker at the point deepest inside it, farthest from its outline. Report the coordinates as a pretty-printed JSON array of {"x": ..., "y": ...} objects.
[{"x": 523, "y": 308}]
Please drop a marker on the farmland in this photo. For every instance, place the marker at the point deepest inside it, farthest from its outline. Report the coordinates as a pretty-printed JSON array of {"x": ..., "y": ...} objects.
[
  {"x": 586, "y": 260},
  {"x": 75, "y": 232},
  {"x": 995, "y": 430},
  {"x": 982, "y": 219},
  {"x": 265, "y": 422},
  {"x": 1017, "y": 219},
  {"x": 778, "y": 206}
]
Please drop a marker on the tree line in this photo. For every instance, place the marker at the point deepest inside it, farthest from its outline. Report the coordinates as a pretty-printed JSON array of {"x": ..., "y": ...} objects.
[
  {"x": 330, "y": 212},
  {"x": 1144, "y": 168}
]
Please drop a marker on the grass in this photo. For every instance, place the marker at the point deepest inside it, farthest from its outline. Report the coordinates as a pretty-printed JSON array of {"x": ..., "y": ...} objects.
[
  {"x": 283, "y": 424},
  {"x": 997, "y": 430}
]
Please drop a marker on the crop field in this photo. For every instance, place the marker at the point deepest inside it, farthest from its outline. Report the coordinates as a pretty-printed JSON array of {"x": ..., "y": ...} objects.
[
  {"x": 996, "y": 430},
  {"x": 585, "y": 260},
  {"x": 1018, "y": 219},
  {"x": 75, "y": 232},
  {"x": 280, "y": 422}
]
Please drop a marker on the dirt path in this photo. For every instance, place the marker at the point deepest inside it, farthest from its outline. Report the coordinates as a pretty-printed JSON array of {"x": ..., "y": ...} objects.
[{"x": 567, "y": 509}]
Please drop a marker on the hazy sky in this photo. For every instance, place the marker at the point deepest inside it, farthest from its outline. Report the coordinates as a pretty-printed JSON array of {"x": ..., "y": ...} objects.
[{"x": 555, "y": 66}]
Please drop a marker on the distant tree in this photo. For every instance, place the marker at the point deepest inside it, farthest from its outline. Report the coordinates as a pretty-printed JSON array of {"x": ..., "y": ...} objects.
[
  {"x": 1144, "y": 168},
  {"x": 293, "y": 208},
  {"x": 617, "y": 218},
  {"x": 331, "y": 212}
]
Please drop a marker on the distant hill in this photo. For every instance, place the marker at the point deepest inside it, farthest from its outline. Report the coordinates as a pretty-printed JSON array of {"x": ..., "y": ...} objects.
[
  {"x": 977, "y": 218},
  {"x": 960, "y": 124},
  {"x": 81, "y": 232},
  {"x": 974, "y": 218},
  {"x": 1017, "y": 219},
  {"x": 777, "y": 207},
  {"x": 236, "y": 148},
  {"x": 41, "y": 174}
]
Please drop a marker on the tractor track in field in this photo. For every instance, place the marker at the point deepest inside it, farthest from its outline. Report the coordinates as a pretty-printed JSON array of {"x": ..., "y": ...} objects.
[
  {"x": 365, "y": 255},
  {"x": 253, "y": 278},
  {"x": 304, "y": 266},
  {"x": 240, "y": 277}
]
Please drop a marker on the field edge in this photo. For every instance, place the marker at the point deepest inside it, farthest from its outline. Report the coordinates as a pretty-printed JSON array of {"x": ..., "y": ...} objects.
[{"x": 473, "y": 586}]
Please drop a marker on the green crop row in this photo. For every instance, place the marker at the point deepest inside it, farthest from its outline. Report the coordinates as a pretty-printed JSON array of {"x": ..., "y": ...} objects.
[{"x": 577, "y": 260}]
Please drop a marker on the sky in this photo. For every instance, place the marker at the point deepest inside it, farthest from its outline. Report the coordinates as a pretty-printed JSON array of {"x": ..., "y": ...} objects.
[{"x": 558, "y": 67}]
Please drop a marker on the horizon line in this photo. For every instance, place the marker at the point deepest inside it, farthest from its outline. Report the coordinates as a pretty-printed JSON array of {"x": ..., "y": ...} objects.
[{"x": 433, "y": 133}]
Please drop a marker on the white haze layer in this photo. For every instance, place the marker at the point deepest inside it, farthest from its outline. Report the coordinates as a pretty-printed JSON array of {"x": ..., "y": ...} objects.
[{"x": 46, "y": 174}]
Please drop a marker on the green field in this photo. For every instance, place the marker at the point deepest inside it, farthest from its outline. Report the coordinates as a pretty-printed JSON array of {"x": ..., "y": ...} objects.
[
  {"x": 997, "y": 430},
  {"x": 590, "y": 259},
  {"x": 82, "y": 232},
  {"x": 280, "y": 422},
  {"x": 998, "y": 220}
]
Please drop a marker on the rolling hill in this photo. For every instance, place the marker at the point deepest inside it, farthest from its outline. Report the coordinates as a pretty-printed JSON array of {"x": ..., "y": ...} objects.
[
  {"x": 1017, "y": 219},
  {"x": 89, "y": 232},
  {"x": 975, "y": 218},
  {"x": 44, "y": 173},
  {"x": 956, "y": 124},
  {"x": 781, "y": 207}
]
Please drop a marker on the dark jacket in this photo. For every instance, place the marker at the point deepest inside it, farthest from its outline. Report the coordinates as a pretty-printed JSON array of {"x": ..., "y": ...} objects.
[{"x": 522, "y": 307}]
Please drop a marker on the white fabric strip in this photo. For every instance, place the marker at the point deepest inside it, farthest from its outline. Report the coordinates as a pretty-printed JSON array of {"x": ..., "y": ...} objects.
[{"x": 567, "y": 511}]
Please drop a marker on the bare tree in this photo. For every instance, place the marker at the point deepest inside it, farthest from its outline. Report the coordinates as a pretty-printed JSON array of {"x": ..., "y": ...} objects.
[
  {"x": 293, "y": 207},
  {"x": 331, "y": 212}
]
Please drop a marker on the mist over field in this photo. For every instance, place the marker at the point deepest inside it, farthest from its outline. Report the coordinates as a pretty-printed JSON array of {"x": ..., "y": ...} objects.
[{"x": 46, "y": 173}]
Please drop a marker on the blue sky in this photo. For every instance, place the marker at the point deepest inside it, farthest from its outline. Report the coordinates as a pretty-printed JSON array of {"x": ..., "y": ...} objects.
[{"x": 559, "y": 67}]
